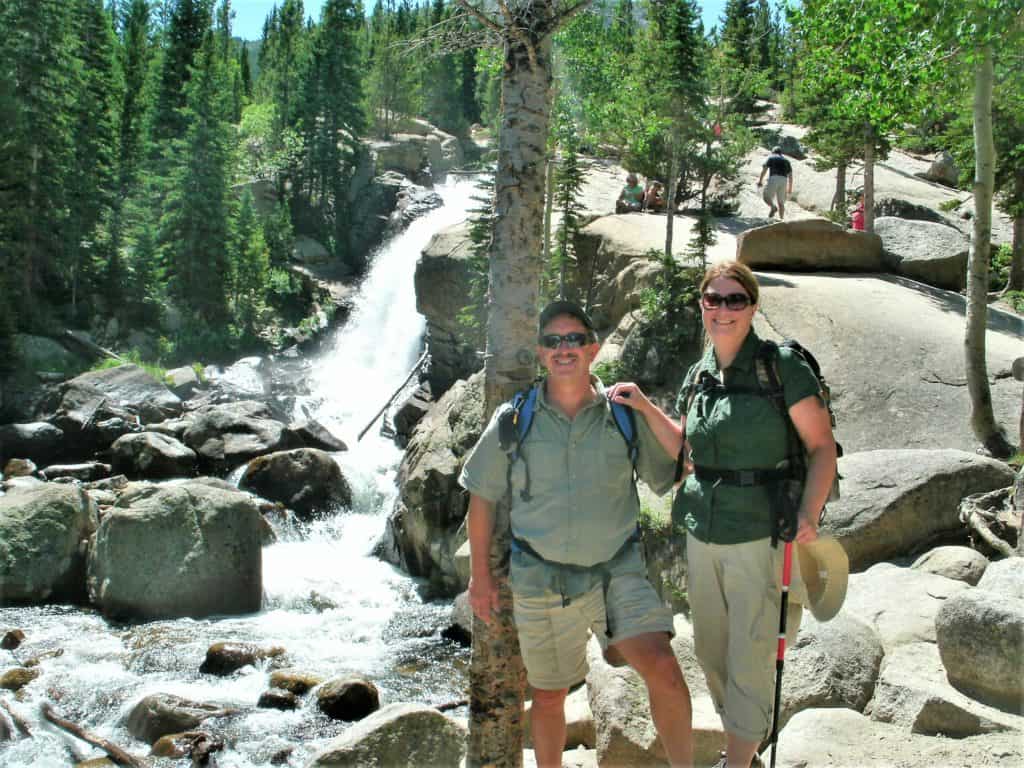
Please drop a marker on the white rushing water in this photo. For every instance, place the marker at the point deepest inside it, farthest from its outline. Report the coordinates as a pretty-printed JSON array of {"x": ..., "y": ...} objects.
[{"x": 334, "y": 607}]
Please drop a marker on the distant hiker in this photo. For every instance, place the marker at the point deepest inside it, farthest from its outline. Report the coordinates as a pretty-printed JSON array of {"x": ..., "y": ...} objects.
[
  {"x": 780, "y": 182},
  {"x": 654, "y": 199},
  {"x": 857, "y": 219},
  {"x": 734, "y": 448},
  {"x": 577, "y": 565},
  {"x": 631, "y": 198}
]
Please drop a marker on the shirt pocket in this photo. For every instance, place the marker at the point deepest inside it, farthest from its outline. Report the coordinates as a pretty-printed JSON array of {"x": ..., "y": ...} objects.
[{"x": 545, "y": 462}]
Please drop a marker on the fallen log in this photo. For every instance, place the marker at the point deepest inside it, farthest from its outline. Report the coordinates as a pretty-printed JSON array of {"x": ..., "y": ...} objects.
[
  {"x": 19, "y": 722},
  {"x": 117, "y": 755}
]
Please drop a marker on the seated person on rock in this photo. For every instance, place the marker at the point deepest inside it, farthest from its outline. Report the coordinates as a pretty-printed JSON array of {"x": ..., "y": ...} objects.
[
  {"x": 857, "y": 218},
  {"x": 654, "y": 200},
  {"x": 631, "y": 198}
]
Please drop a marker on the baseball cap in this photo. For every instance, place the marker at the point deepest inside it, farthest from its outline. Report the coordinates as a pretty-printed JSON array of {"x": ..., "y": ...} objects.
[{"x": 564, "y": 307}]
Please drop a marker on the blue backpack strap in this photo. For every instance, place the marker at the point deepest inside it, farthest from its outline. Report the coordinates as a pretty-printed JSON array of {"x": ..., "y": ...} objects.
[
  {"x": 625, "y": 420},
  {"x": 513, "y": 426}
]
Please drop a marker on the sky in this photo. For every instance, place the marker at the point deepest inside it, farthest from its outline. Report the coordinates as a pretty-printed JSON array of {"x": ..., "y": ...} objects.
[{"x": 250, "y": 14}]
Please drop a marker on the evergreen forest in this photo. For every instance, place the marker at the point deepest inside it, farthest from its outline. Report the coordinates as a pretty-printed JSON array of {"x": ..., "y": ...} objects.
[{"x": 134, "y": 132}]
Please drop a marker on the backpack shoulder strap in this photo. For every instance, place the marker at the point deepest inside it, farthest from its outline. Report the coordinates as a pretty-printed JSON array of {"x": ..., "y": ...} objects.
[
  {"x": 625, "y": 420},
  {"x": 513, "y": 426},
  {"x": 766, "y": 366}
]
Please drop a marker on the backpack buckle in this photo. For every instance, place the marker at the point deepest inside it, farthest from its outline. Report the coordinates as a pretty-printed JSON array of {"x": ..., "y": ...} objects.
[{"x": 747, "y": 477}]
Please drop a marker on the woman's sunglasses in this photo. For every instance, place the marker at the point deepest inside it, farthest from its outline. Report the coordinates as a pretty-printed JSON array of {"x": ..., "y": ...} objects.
[
  {"x": 733, "y": 301},
  {"x": 572, "y": 340}
]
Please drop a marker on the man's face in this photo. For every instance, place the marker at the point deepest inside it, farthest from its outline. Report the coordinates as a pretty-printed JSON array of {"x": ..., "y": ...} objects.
[{"x": 565, "y": 361}]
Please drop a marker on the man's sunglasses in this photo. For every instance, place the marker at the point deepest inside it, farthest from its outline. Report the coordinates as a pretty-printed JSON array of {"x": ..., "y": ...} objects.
[
  {"x": 734, "y": 301},
  {"x": 572, "y": 340}
]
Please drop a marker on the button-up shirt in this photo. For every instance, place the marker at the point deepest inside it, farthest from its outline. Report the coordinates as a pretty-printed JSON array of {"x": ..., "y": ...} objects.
[
  {"x": 582, "y": 505},
  {"x": 736, "y": 430}
]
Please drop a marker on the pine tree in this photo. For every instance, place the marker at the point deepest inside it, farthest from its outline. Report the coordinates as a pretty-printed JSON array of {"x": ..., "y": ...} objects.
[
  {"x": 569, "y": 178},
  {"x": 135, "y": 54},
  {"x": 443, "y": 94},
  {"x": 189, "y": 21},
  {"x": 739, "y": 50},
  {"x": 392, "y": 86},
  {"x": 37, "y": 64},
  {"x": 250, "y": 266},
  {"x": 91, "y": 187},
  {"x": 194, "y": 230},
  {"x": 283, "y": 60},
  {"x": 243, "y": 66}
]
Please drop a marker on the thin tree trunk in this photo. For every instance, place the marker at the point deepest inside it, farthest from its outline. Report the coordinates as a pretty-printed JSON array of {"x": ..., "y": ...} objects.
[
  {"x": 1016, "y": 281},
  {"x": 839, "y": 198},
  {"x": 869, "y": 179},
  {"x": 983, "y": 420},
  {"x": 549, "y": 202},
  {"x": 670, "y": 206},
  {"x": 497, "y": 676}
]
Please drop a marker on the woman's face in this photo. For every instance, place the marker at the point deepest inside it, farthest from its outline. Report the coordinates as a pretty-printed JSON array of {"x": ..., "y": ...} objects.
[{"x": 722, "y": 323}]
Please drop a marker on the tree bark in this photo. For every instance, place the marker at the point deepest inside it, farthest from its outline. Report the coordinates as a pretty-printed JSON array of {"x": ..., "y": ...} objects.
[
  {"x": 670, "y": 198},
  {"x": 497, "y": 677},
  {"x": 1016, "y": 281},
  {"x": 983, "y": 421},
  {"x": 869, "y": 179},
  {"x": 839, "y": 198}
]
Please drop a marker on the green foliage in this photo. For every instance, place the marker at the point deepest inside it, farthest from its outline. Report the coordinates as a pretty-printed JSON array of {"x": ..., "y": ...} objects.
[
  {"x": 569, "y": 177},
  {"x": 611, "y": 371},
  {"x": 393, "y": 84},
  {"x": 1016, "y": 300},
  {"x": 473, "y": 316},
  {"x": 669, "y": 307},
  {"x": 154, "y": 369}
]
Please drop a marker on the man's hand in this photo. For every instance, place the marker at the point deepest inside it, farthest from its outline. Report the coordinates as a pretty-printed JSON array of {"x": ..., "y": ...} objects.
[
  {"x": 483, "y": 597},
  {"x": 807, "y": 531}
]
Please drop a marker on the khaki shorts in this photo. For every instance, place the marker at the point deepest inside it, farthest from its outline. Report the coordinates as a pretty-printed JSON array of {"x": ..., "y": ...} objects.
[
  {"x": 775, "y": 191},
  {"x": 734, "y": 592},
  {"x": 553, "y": 637}
]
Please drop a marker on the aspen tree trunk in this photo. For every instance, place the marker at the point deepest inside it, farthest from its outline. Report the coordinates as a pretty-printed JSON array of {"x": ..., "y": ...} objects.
[
  {"x": 497, "y": 677},
  {"x": 983, "y": 420},
  {"x": 839, "y": 198}
]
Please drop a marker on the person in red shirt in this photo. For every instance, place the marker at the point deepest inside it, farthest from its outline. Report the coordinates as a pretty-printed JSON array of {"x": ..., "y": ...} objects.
[{"x": 857, "y": 219}]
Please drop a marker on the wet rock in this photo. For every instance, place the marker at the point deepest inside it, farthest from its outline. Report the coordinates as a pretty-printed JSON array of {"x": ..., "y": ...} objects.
[
  {"x": 892, "y": 500},
  {"x": 424, "y": 531},
  {"x": 17, "y": 678},
  {"x": 131, "y": 388},
  {"x": 19, "y": 468},
  {"x": 249, "y": 377},
  {"x": 152, "y": 454},
  {"x": 461, "y": 628},
  {"x": 224, "y": 658},
  {"x": 190, "y": 744},
  {"x": 108, "y": 430},
  {"x": 227, "y": 435},
  {"x": 282, "y": 756},
  {"x": 39, "y": 441},
  {"x": 12, "y": 639},
  {"x": 16, "y": 484},
  {"x": 160, "y": 714},
  {"x": 815, "y": 244},
  {"x": 348, "y": 698},
  {"x": 306, "y": 480},
  {"x": 183, "y": 381},
  {"x": 313, "y": 434},
  {"x": 113, "y": 484},
  {"x": 173, "y": 427},
  {"x": 275, "y": 698},
  {"x": 86, "y": 472},
  {"x": 294, "y": 681},
  {"x": 398, "y": 735},
  {"x": 411, "y": 412},
  {"x": 207, "y": 558},
  {"x": 44, "y": 531},
  {"x": 960, "y": 563}
]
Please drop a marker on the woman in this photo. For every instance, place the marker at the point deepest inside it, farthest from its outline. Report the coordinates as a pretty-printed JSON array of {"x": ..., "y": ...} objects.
[
  {"x": 733, "y": 570},
  {"x": 857, "y": 218}
]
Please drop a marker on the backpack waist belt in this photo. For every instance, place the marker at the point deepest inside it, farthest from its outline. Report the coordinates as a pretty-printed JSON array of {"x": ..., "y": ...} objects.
[
  {"x": 521, "y": 545},
  {"x": 742, "y": 478}
]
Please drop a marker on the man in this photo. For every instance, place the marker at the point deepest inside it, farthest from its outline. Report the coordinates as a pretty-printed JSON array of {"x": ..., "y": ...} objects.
[
  {"x": 631, "y": 198},
  {"x": 654, "y": 200},
  {"x": 576, "y": 563},
  {"x": 780, "y": 182}
]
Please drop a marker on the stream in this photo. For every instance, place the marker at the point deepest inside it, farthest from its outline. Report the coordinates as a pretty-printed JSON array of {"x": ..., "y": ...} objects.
[{"x": 334, "y": 607}]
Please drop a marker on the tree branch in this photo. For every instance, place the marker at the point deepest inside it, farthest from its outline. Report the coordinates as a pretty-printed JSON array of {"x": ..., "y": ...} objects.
[
  {"x": 518, "y": 34},
  {"x": 117, "y": 755},
  {"x": 568, "y": 13},
  {"x": 20, "y": 723},
  {"x": 482, "y": 17}
]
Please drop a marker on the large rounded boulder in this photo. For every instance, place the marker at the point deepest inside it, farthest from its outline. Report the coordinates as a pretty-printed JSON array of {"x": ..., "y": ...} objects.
[
  {"x": 43, "y": 535},
  {"x": 228, "y": 435},
  {"x": 189, "y": 549},
  {"x": 38, "y": 441},
  {"x": 306, "y": 480}
]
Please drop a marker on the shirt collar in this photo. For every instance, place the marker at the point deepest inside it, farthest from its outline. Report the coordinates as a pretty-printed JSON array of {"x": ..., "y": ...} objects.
[{"x": 744, "y": 359}]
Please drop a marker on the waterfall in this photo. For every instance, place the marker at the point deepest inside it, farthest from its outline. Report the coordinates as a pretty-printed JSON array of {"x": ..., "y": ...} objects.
[{"x": 327, "y": 601}]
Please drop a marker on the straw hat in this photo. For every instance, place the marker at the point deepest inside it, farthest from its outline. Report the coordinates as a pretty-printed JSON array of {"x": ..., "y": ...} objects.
[{"x": 824, "y": 568}]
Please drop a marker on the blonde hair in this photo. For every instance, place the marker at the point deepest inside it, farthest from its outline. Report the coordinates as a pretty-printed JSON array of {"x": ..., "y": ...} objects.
[{"x": 733, "y": 270}]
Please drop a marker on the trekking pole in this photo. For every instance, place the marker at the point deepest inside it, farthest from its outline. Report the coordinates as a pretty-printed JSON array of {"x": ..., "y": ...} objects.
[{"x": 787, "y": 571}]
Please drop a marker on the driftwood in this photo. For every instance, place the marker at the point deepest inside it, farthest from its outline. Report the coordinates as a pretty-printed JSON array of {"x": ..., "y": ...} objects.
[
  {"x": 419, "y": 363},
  {"x": 990, "y": 514},
  {"x": 83, "y": 343},
  {"x": 117, "y": 755},
  {"x": 19, "y": 722},
  {"x": 450, "y": 705}
]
